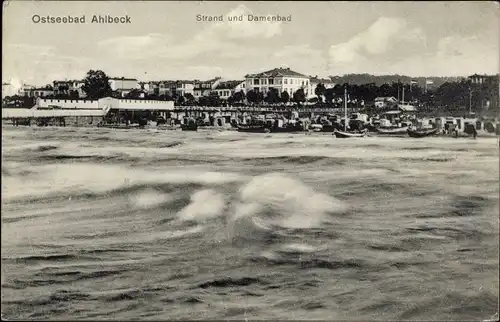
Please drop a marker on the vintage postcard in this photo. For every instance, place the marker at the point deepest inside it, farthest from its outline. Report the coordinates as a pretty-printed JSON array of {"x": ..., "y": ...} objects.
[{"x": 247, "y": 160}]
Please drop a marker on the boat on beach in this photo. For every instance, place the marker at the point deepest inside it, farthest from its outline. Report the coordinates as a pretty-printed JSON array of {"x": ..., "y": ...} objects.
[
  {"x": 348, "y": 134},
  {"x": 344, "y": 135},
  {"x": 254, "y": 128},
  {"x": 392, "y": 130},
  {"x": 421, "y": 133}
]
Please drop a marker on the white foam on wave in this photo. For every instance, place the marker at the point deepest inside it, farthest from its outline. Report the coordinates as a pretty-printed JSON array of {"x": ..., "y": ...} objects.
[
  {"x": 99, "y": 178},
  {"x": 149, "y": 198},
  {"x": 204, "y": 204},
  {"x": 295, "y": 204},
  {"x": 299, "y": 248}
]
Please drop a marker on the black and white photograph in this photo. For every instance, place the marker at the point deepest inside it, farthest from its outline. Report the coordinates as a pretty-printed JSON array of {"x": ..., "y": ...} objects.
[{"x": 250, "y": 160}]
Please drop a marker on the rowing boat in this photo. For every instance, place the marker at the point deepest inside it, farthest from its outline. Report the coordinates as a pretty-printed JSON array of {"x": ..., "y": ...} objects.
[
  {"x": 421, "y": 133},
  {"x": 393, "y": 130},
  {"x": 344, "y": 134}
]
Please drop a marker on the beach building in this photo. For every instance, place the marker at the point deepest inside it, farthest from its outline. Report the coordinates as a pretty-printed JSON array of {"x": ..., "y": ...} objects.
[
  {"x": 171, "y": 87},
  {"x": 43, "y": 91},
  {"x": 123, "y": 85},
  {"x": 153, "y": 88},
  {"x": 26, "y": 90},
  {"x": 482, "y": 79},
  {"x": 166, "y": 87},
  {"x": 85, "y": 112},
  {"x": 204, "y": 88},
  {"x": 283, "y": 79},
  {"x": 386, "y": 102},
  {"x": 183, "y": 87},
  {"x": 69, "y": 87},
  {"x": 227, "y": 88}
]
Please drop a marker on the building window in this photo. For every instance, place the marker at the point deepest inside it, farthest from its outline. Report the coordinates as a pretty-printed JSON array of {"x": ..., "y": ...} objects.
[
  {"x": 271, "y": 81},
  {"x": 256, "y": 82},
  {"x": 286, "y": 81}
]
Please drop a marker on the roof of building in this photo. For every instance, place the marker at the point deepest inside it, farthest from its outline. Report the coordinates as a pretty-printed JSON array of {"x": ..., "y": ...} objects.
[
  {"x": 229, "y": 84},
  {"x": 211, "y": 80},
  {"x": 199, "y": 84},
  {"x": 318, "y": 80},
  {"x": 69, "y": 81},
  {"x": 407, "y": 108},
  {"x": 44, "y": 89},
  {"x": 386, "y": 98},
  {"x": 477, "y": 75},
  {"x": 277, "y": 72},
  {"x": 123, "y": 79}
]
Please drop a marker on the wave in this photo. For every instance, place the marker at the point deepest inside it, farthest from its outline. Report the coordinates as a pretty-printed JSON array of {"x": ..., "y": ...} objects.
[
  {"x": 35, "y": 147},
  {"x": 204, "y": 204},
  {"x": 149, "y": 198},
  {"x": 427, "y": 159},
  {"x": 59, "y": 278},
  {"x": 270, "y": 208},
  {"x": 303, "y": 262},
  {"x": 232, "y": 282},
  {"x": 301, "y": 160},
  {"x": 295, "y": 204},
  {"x": 170, "y": 144},
  {"x": 91, "y": 179}
]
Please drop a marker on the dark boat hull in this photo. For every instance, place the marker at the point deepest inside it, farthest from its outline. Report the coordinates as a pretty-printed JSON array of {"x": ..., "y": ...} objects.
[
  {"x": 189, "y": 127},
  {"x": 345, "y": 135},
  {"x": 253, "y": 129},
  {"x": 286, "y": 130},
  {"x": 421, "y": 133}
]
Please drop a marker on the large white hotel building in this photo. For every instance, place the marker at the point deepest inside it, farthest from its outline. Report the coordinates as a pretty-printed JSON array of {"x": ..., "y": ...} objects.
[{"x": 283, "y": 79}]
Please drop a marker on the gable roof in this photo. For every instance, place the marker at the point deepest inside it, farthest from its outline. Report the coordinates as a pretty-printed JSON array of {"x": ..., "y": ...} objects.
[
  {"x": 229, "y": 84},
  {"x": 386, "y": 99},
  {"x": 277, "y": 72}
]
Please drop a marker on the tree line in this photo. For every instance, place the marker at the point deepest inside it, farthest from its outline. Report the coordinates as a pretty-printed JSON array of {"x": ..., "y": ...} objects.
[{"x": 450, "y": 95}]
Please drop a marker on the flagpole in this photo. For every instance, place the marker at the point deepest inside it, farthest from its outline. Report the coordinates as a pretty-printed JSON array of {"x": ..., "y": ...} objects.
[
  {"x": 345, "y": 109},
  {"x": 403, "y": 94},
  {"x": 398, "y": 90}
]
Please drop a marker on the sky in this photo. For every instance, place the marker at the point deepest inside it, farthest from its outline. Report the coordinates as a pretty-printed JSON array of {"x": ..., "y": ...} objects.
[{"x": 165, "y": 41}]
